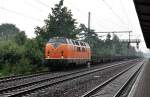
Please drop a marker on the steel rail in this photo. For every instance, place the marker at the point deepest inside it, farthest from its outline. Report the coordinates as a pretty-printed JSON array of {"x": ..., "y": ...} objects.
[
  {"x": 127, "y": 82},
  {"x": 51, "y": 78},
  {"x": 95, "y": 89},
  {"x": 18, "y": 77},
  {"x": 21, "y": 76},
  {"x": 51, "y": 84}
]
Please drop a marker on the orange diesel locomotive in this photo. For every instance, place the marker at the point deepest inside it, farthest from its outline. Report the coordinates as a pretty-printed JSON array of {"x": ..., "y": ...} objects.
[{"x": 62, "y": 51}]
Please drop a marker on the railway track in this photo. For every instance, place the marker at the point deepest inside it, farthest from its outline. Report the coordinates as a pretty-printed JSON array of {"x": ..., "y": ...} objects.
[
  {"x": 20, "y": 77},
  {"x": 130, "y": 81},
  {"x": 4, "y": 82},
  {"x": 95, "y": 90},
  {"x": 30, "y": 87}
]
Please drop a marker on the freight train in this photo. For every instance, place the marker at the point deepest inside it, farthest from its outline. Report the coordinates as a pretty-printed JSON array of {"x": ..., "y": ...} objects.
[{"x": 60, "y": 52}]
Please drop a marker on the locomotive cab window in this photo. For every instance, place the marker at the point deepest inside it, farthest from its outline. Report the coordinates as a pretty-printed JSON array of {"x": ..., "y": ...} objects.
[{"x": 57, "y": 40}]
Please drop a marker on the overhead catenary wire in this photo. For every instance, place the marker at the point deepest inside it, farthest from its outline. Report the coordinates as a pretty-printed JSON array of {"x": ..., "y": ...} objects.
[
  {"x": 21, "y": 14},
  {"x": 41, "y": 3},
  {"x": 115, "y": 14},
  {"x": 78, "y": 10},
  {"x": 46, "y": 5},
  {"x": 111, "y": 22},
  {"x": 98, "y": 21},
  {"x": 124, "y": 11},
  {"x": 118, "y": 17},
  {"x": 34, "y": 6},
  {"x": 127, "y": 17},
  {"x": 85, "y": 15}
]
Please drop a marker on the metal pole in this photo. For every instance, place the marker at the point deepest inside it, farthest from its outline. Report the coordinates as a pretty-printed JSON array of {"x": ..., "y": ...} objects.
[
  {"x": 89, "y": 19},
  {"x": 129, "y": 37},
  {"x": 129, "y": 44}
]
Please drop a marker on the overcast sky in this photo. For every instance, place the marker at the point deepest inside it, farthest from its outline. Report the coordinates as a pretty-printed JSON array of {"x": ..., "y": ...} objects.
[{"x": 106, "y": 15}]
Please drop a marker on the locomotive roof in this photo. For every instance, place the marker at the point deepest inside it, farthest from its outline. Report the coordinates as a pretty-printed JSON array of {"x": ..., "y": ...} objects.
[{"x": 67, "y": 38}]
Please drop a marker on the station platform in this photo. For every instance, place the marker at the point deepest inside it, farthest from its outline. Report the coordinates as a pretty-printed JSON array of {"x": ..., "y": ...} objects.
[{"x": 141, "y": 87}]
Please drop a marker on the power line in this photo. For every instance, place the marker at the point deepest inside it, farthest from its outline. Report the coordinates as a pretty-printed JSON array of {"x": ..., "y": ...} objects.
[
  {"x": 33, "y": 6},
  {"x": 113, "y": 11},
  {"x": 127, "y": 17},
  {"x": 21, "y": 14},
  {"x": 77, "y": 10},
  {"x": 85, "y": 15},
  {"x": 123, "y": 9},
  {"x": 111, "y": 22},
  {"x": 108, "y": 22},
  {"x": 114, "y": 23},
  {"x": 41, "y": 3}
]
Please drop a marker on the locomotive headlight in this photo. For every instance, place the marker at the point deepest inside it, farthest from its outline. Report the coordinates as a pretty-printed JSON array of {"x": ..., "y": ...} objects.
[
  {"x": 62, "y": 57},
  {"x": 62, "y": 54},
  {"x": 48, "y": 54}
]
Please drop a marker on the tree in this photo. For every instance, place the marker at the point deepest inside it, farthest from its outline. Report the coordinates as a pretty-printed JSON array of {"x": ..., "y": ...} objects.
[
  {"x": 115, "y": 38},
  {"x": 108, "y": 41},
  {"x": 33, "y": 52},
  {"x": 20, "y": 38},
  {"x": 108, "y": 38},
  {"x": 7, "y": 31},
  {"x": 83, "y": 30},
  {"x": 90, "y": 37},
  {"x": 59, "y": 23},
  {"x": 116, "y": 45}
]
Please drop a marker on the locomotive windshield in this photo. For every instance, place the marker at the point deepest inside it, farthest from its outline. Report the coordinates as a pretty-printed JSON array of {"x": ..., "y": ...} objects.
[{"x": 57, "y": 40}]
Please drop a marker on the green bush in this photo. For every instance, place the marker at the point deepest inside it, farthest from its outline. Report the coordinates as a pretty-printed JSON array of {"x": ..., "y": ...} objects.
[
  {"x": 13, "y": 59},
  {"x": 34, "y": 52},
  {"x": 23, "y": 67},
  {"x": 9, "y": 52}
]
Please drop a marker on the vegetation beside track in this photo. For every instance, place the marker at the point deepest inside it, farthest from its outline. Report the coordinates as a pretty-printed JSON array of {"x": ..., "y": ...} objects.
[{"x": 21, "y": 55}]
